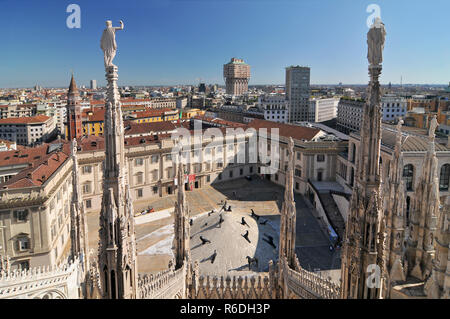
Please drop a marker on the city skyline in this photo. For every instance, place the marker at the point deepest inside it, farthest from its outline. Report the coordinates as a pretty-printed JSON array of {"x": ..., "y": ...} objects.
[{"x": 184, "y": 43}]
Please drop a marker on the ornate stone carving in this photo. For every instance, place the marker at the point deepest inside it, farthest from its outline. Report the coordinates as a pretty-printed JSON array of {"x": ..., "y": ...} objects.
[
  {"x": 117, "y": 248},
  {"x": 365, "y": 224}
]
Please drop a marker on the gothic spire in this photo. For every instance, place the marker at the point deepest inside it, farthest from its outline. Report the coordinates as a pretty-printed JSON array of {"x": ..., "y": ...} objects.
[
  {"x": 394, "y": 212},
  {"x": 425, "y": 211},
  {"x": 73, "y": 85},
  {"x": 288, "y": 212},
  {"x": 117, "y": 248},
  {"x": 364, "y": 240},
  {"x": 438, "y": 285},
  {"x": 182, "y": 231}
]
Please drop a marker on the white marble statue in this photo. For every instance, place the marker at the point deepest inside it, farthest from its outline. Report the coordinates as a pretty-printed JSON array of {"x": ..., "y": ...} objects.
[
  {"x": 108, "y": 42},
  {"x": 433, "y": 125},
  {"x": 375, "y": 40}
]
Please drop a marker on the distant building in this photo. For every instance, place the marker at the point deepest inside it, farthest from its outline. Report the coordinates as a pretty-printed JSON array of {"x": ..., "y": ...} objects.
[
  {"x": 93, "y": 84},
  {"x": 181, "y": 103},
  {"x": 237, "y": 75},
  {"x": 297, "y": 92},
  {"x": 17, "y": 110},
  {"x": 321, "y": 110},
  {"x": 349, "y": 115},
  {"x": 28, "y": 130},
  {"x": 93, "y": 120},
  {"x": 58, "y": 113},
  {"x": 214, "y": 88},
  {"x": 202, "y": 88},
  {"x": 275, "y": 107},
  {"x": 393, "y": 107}
]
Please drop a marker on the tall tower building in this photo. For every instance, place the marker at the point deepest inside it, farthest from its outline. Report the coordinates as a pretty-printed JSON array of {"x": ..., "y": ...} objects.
[
  {"x": 297, "y": 92},
  {"x": 93, "y": 84},
  {"x": 237, "y": 75},
  {"x": 117, "y": 260},
  {"x": 74, "y": 126},
  {"x": 363, "y": 267}
]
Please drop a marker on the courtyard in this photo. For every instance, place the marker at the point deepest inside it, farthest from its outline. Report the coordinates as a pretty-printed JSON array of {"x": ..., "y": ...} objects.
[{"x": 154, "y": 231}]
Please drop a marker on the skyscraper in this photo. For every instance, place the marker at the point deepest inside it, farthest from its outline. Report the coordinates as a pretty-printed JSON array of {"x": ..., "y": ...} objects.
[
  {"x": 237, "y": 75},
  {"x": 93, "y": 84},
  {"x": 297, "y": 92}
]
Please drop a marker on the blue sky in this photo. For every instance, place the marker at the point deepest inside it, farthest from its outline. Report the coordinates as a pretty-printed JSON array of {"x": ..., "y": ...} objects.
[{"x": 180, "y": 41}]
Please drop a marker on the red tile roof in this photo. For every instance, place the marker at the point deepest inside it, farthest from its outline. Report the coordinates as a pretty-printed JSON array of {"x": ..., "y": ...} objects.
[
  {"x": 152, "y": 112},
  {"x": 97, "y": 143},
  {"x": 128, "y": 100},
  {"x": 91, "y": 143},
  {"x": 133, "y": 128},
  {"x": 97, "y": 102},
  {"x": 25, "y": 120},
  {"x": 286, "y": 130},
  {"x": 98, "y": 115},
  {"x": 21, "y": 156},
  {"x": 41, "y": 166},
  {"x": 218, "y": 121}
]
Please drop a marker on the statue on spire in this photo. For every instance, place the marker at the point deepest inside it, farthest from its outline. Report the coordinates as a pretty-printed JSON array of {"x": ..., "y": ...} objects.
[
  {"x": 433, "y": 125},
  {"x": 375, "y": 41},
  {"x": 108, "y": 42}
]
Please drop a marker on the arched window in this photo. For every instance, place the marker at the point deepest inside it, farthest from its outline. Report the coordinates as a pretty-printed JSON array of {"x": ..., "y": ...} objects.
[
  {"x": 408, "y": 174},
  {"x": 444, "y": 177}
]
